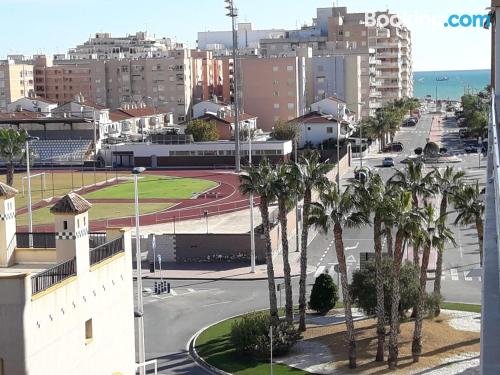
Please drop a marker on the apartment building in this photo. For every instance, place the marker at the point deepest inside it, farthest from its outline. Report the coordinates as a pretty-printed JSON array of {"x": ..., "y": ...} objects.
[
  {"x": 16, "y": 81},
  {"x": 273, "y": 89},
  {"x": 66, "y": 301},
  {"x": 207, "y": 76},
  {"x": 104, "y": 46}
]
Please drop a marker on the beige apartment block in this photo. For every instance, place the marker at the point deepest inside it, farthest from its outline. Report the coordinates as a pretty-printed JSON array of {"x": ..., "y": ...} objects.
[
  {"x": 207, "y": 76},
  {"x": 16, "y": 81},
  {"x": 66, "y": 305},
  {"x": 273, "y": 89}
]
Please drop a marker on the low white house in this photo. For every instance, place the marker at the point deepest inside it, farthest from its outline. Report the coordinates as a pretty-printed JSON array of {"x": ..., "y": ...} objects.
[
  {"x": 138, "y": 119},
  {"x": 66, "y": 308},
  {"x": 39, "y": 105},
  {"x": 335, "y": 107}
]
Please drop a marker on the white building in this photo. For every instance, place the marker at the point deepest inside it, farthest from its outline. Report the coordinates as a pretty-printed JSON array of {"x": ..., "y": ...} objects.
[
  {"x": 40, "y": 105},
  {"x": 67, "y": 309}
]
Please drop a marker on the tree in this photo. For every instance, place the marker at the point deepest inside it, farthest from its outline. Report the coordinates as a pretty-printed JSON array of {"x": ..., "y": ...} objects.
[
  {"x": 338, "y": 210},
  {"x": 363, "y": 287},
  {"x": 310, "y": 175},
  {"x": 283, "y": 184},
  {"x": 470, "y": 207},
  {"x": 371, "y": 196},
  {"x": 202, "y": 131},
  {"x": 324, "y": 294},
  {"x": 287, "y": 131},
  {"x": 258, "y": 180},
  {"x": 435, "y": 234},
  {"x": 447, "y": 183},
  {"x": 373, "y": 127},
  {"x": 408, "y": 222},
  {"x": 12, "y": 150}
]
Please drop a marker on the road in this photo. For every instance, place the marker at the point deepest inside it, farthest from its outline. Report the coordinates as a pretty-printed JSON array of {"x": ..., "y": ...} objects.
[{"x": 170, "y": 321}]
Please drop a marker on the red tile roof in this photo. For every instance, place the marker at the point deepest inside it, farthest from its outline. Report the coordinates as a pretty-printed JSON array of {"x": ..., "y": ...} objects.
[
  {"x": 140, "y": 112},
  {"x": 118, "y": 115},
  {"x": 22, "y": 115},
  {"x": 228, "y": 119}
]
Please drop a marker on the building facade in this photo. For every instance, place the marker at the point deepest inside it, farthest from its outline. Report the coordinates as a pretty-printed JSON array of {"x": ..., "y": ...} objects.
[{"x": 16, "y": 81}]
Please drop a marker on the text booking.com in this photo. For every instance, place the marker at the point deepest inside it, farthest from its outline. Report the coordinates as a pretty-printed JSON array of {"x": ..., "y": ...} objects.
[{"x": 453, "y": 21}]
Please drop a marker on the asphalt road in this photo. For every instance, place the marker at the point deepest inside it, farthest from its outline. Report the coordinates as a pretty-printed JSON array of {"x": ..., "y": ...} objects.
[{"x": 170, "y": 321}]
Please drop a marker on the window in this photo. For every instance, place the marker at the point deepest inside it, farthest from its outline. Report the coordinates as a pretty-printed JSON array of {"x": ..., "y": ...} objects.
[
  {"x": 291, "y": 106},
  {"x": 347, "y": 34},
  {"x": 78, "y": 223},
  {"x": 329, "y": 130},
  {"x": 290, "y": 93},
  {"x": 275, "y": 82},
  {"x": 276, "y": 106},
  {"x": 289, "y": 68},
  {"x": 276, "y": 93},
  {"x": 321, "y": 68},
  {"x": 363, "y": 43},
  {"x": 276, "y": 118},
  {"x": 321, "y": 79},
  {"x": 65, "y": 225},
  {"x": 363, "y": 33},
  {"x": 88, "y": 331},
  {"x": 275, "y": 69}
]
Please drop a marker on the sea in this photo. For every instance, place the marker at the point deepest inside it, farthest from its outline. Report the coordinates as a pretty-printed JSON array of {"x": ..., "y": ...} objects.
[{"x": 458, "y": 83}]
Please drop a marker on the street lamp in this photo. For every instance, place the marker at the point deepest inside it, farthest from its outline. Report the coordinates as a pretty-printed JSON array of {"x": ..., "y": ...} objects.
[
  {"x": 252, "y": 229},
  {"x": 30, "y": 214},
  {"x": 233, "y": 13},
  {"x": 140, "y": 307},
  {"x": 360, "y": 133}
]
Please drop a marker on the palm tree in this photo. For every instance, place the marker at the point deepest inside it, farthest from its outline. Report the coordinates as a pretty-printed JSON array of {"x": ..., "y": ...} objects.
[
  {"x": 372, "y": 199},
  {"x": 376, "y": 129},
  {"x": 408, "y": 221},
  {"x": 258, "y": 180},
  {"x": 434, "y": 234},
  {"x": 420, "y": 184},
  {"x": 338, "y": 210},
  {"x": 284, "y": 185},
  {"x": 310, "y": 175},
  {"x": 12, "y": 150},
  {"x": 448, "y": 182},
  {"x": 470, "y": 208}
]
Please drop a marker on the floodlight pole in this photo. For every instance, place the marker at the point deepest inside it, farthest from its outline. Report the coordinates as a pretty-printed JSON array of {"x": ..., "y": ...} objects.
[{"x": 28, "y": 175}]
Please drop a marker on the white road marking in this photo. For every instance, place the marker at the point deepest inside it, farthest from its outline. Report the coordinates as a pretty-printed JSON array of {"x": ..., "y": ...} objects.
[
  {"x": 466, "y": 276},
  {"x": 351, "y": 259},
  {"x": 191, "y": 290},
  {"x": 454, "y": 274},
  {"x": 479, "y": 278},
  {"x": 173, "y": 292},
  {"x": 217, "y": 303},
  {"x": 332, "y": 270},
  {"x": 353, "y": 247},
  {"x": 319, "y": 271},
  {"x": 317, "y": 265}
]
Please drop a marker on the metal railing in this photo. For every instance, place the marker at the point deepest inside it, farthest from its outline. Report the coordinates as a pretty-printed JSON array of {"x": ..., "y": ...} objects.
[
  {"x": 41, "y": 240},
  {"x": 495, "y": 165},
  {"x": 45, "y": 279},
  {"x": 106, "y": 251},
  {"x": 96, "y": 239}
]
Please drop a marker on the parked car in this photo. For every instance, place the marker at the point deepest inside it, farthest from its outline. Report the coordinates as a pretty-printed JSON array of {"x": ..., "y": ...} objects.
[
  {"x": 469, "y": 149},
  {"x": 464, "y": 133},
  {"x": 413, "y": 118},
  {"x": 394, "y": 147},
  {"x": 388, "y": 162},
  {"x": 409, "y": 123},
  {"x": 361, "y": 174}
]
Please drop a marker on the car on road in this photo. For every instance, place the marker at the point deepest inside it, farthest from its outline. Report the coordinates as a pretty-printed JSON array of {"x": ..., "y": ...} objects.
[
  {"x": 394, "y": 147},
  {"x": 464, "y": 133},
  {"x": 361, "y": 174},
  {"x": 410, "y": 122},
  {"x": 388, "y": 162},
  {"x": 469, "y": 149}
]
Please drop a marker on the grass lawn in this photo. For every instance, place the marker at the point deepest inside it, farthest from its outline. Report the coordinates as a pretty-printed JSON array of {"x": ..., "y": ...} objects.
[
  {"x": 98, "y": 211},
  {"x": 56, "y": 184},
  {"x": 461, "y": 307},
  {"x": 155, "y": 187},
  {"x": 213, "y": 346}
]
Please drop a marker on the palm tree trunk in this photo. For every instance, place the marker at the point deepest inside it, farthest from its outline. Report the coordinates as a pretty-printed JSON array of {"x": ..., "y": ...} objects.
[
  {"x": 286, "y": 264},
  {"x": 480, "y": 234},
  {"x": 346, "y": 296},
  {"x": 388, "y": 236},
  {"x": 416, "y": 347},
  {"x": 303, "y": 260},
  {"x": 395, "y": 298},
  {"x": 439, "y": 262},
  {"x": 273, "y": 305},
  {"x": 10, "y": 174},
  {"x": 377, "y": 237}
]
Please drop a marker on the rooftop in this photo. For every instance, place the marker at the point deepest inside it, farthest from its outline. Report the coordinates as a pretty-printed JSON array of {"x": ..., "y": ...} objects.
[{"x": 71, "y": 203}]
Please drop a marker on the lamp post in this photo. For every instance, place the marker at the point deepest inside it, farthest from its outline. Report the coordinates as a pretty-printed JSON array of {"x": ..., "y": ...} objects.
[
  {"x": 28, "y": 175},
  {"x": 140, "y": 307},
  {"x": 233, "y": 13},
  {"x": 360, "y": 133},
  {"x": 252, "y": 226}
]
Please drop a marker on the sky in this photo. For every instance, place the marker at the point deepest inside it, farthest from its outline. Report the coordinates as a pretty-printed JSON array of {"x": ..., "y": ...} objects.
[{"x": 54, "y": 26}]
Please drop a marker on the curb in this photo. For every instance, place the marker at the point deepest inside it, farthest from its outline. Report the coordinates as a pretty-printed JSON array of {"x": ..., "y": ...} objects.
[{"x": 214, "y": 278}]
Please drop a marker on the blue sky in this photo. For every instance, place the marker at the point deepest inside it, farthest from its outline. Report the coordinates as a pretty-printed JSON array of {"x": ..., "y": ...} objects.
[{"x": 53, "y": 26}]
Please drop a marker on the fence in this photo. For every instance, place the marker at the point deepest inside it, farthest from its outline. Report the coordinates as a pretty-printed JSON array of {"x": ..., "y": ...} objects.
[
  {"x": 44, "y": 280},
  {"x": 41, "y": 240},
  {"x": 106, "y": 251}
]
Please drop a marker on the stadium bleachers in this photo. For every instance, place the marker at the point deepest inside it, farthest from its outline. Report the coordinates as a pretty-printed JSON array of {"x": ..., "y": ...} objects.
[{"x": 61, "y": 151}]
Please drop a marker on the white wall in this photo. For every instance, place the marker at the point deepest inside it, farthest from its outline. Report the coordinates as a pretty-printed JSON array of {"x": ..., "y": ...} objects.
[{"x": 317, "y": 133}]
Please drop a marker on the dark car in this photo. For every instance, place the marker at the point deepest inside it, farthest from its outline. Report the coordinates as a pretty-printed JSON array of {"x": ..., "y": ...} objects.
[
  {"x": 469, "y": 149},
  {"x": 394, "y": 147},
  {"x": 464, "y": 133},
  {"x": 409, "y": 123}
]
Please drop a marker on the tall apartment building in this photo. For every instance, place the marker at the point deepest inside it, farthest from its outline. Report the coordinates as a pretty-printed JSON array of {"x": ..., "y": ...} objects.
[
  {"x": 207, "y": 76},
  {"x": 66, "y": 303},
  {"x": 273, "y": 89},
  {"x": 104, "y": 46},
  {"x": 16, "y": 81}
]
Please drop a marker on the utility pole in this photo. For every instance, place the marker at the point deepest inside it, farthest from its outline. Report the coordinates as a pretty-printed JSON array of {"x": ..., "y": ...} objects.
[{"x": 233, "y": 13}]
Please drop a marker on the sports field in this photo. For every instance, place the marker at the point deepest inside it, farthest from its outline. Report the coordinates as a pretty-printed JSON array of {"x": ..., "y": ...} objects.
[
  {"x": 160, "y": 187},
  {"x": 97, "y": 212}
]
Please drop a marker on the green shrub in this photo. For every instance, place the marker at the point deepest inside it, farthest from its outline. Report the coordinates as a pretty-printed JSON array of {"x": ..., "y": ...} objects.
[
  {"x": 250, "y": 336},
  {"x": 364, "y": 294},
  {"x": 432, "y": 302},
  {"x": 324, "y": 294}
]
